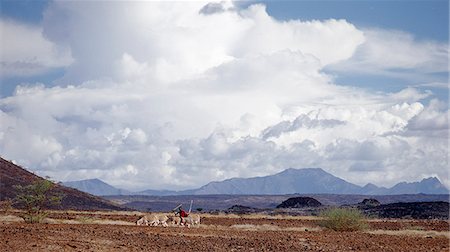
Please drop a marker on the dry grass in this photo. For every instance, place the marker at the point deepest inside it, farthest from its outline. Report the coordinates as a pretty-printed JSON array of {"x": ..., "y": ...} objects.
[
  {"x": 290, "y": 217},
  {"x": 91, "y": 221},
  {"x": 251, "y": 227},
  {"x": 10, "y": 219},
  {"x": 13, "y": 211},
  {"x": 77, "y": 212},
  {"x": 113, "y": 222},
  {"x": 84, "y": 219},
  {"x": 202, "y": 215},
  {"x": 260, "y": 216},
  {"x": 267, "y": 227},
  {"x": 126, "y": 213},
  {"x": 220, "y": 215},
  {"x": 390, "y": 220},
  {"x": 409, "y": 232}
]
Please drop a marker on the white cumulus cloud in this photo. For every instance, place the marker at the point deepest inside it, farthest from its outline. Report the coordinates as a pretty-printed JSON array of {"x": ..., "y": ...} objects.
[
  {"x": 394, "y": 53},
  {"x": 174, "y": 95},
  {"x": 25, "y": 51}
]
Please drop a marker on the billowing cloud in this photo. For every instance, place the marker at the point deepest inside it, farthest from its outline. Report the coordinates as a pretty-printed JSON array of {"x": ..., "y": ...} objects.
[
  {"x": 173, "y": 41},
  {"x": 217, "y": 7},
  {"x": 24, "y": 51},
  {"x": 174, "y": 95},
  {"x": 396, "y": 53}
]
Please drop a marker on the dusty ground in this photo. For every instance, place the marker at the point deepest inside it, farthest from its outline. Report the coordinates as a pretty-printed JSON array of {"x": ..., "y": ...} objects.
[{"x": 217, "y": 233}]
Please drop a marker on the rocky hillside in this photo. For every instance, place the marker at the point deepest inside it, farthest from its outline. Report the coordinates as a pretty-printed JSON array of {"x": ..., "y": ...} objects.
[{"x": 11, "y": 175}]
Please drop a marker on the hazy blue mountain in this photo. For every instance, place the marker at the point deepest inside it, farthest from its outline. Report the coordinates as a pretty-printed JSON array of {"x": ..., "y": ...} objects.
[
  {"x": 96, "y": 187},
  {"x": 371, "y": 189},
  {"x": 428, "y": 186},
  {"x": 309, "y": 180},
  {"x": 157, "y": 192},
  {"x": 290, "y": 181}
]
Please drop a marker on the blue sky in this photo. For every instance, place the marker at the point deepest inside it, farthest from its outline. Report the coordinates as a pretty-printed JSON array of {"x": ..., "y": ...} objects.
[
  {"x": 30, "y": 11},
  {"x": 425, "y": 19},
  {"x": 149, "y": 94}
]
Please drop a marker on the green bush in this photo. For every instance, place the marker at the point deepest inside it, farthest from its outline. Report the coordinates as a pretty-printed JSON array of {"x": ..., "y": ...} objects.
[
  {"x": 342, "y": 219},
  {"x": 34, "y": 217},
  {"x": 35, "y": 198}
]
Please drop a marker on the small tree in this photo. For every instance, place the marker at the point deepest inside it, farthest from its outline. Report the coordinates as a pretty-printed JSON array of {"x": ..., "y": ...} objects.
[{"x": 35, "y": 198}]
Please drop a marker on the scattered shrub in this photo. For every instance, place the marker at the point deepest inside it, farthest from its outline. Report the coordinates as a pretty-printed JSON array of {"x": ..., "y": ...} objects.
[
  {"x": 85, "y": 219},
  {"x": 341, "y": 219},
  {"x": 35, "y": 198}
]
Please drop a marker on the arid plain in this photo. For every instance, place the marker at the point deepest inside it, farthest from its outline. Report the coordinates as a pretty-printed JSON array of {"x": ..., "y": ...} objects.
[{"x": 117, "y": 231}]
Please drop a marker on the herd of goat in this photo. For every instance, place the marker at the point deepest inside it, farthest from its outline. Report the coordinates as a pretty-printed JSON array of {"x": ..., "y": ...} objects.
[{"x": 164, "y": 220}]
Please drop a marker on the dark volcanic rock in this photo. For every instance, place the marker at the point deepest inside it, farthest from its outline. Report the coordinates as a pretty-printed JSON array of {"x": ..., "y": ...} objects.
[
  {"x": 413, "y": 210},
  {"x": 239, "y": 209},
  {"x": 299, "y": 202},
  {"x": 367, "y": 203}
]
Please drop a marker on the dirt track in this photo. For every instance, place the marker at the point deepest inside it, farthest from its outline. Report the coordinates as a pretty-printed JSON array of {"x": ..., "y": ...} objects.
[{"x": 216, "y": 234}]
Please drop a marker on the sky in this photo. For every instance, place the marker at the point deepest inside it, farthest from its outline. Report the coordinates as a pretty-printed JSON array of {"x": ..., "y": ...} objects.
[{"x": 173, "y": 95}]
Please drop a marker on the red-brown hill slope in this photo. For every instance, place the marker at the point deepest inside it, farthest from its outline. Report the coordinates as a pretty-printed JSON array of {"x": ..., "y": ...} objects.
[{"x": 11, "y": 174}]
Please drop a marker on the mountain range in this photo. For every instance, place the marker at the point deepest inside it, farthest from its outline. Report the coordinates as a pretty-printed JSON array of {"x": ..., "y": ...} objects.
[{"x": 289, "y": 181}]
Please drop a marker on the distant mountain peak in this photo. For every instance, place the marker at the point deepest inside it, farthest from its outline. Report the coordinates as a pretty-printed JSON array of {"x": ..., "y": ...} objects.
[
  {"x": 430, "y": 185},
  {"x": 95, "y": 186},
  {"x": 291, "y": 180},
  {"x": 370, "y": 185},
  {"x": 303, "y": 170},
  {"x": 431, "y": 179},
  {"x": 91, "y": 180}
]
